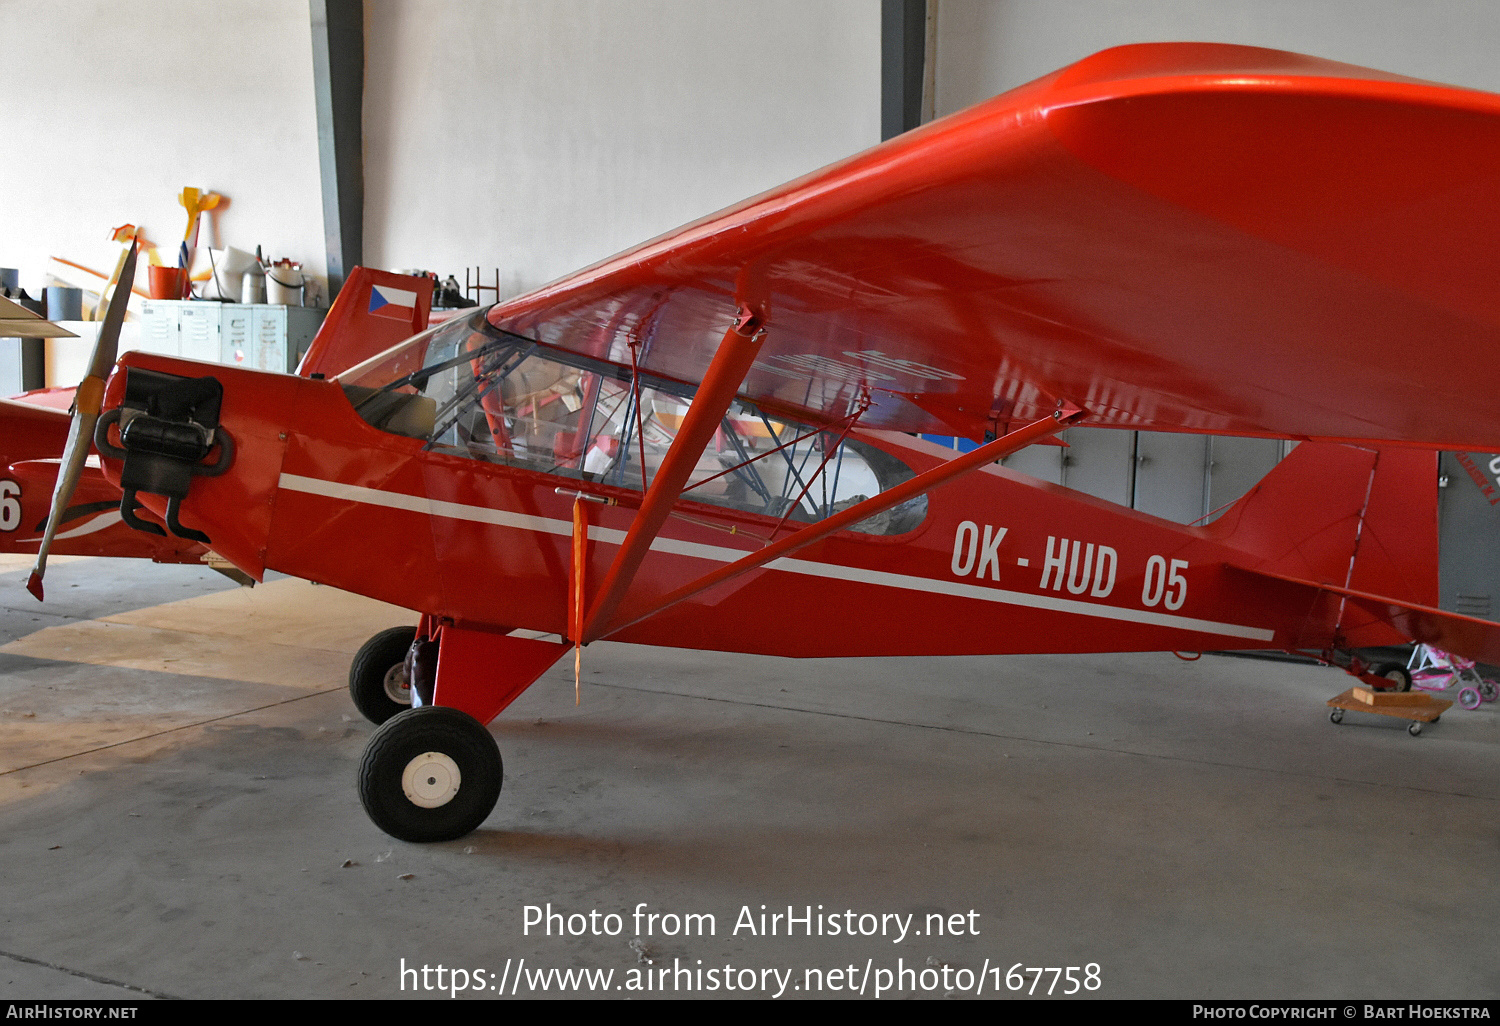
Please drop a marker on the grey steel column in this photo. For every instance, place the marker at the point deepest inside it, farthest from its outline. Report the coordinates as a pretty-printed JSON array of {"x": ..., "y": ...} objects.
[
  {"x": 338, "y": 44},
  {"x": 903, "y": 51}
]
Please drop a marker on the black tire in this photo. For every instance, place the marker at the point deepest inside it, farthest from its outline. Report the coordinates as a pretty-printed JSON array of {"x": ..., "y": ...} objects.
[
  {"x": 1336, "y": 716},
  {"x": 431, "y": 740},
  {"x": 370, "y": 674},
  {"x": 1398, "y": 675}
]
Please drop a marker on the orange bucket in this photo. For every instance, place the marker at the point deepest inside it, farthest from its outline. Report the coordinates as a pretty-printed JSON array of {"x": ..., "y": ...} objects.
[{"x": 167, "y": 282}]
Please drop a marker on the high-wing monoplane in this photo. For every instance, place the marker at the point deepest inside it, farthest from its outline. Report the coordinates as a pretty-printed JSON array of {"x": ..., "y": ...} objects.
[{"x": 708, "y": 441}]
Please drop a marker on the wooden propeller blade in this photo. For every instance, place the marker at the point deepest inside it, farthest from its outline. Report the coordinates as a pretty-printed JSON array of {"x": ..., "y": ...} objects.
[{"x": 86, "y": 405}]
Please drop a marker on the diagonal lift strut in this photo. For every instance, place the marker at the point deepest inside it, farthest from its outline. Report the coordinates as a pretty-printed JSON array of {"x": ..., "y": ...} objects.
[{"x": 910, "y": 489}]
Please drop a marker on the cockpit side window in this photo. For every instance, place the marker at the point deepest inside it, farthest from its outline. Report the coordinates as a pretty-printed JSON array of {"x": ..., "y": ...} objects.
[{"x": 509, "y": 400}]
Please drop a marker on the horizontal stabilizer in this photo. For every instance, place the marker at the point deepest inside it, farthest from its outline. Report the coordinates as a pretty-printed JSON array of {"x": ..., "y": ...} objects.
[
  {"x": 56, "y": 397},
  {"x": 1452, "y": 632}
]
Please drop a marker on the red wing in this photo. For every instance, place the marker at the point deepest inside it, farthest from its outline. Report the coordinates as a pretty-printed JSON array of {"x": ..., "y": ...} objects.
[{"x": 1175, "y": 236}]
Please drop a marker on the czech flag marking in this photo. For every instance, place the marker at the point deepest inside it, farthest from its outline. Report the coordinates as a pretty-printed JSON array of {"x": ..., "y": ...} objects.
[{"x": 397, "y": 304}]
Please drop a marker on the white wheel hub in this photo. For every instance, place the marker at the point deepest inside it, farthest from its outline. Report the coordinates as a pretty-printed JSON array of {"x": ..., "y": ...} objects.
[
  {"x": 397, "y": 687},
  {"x": 431, "y": 780}
]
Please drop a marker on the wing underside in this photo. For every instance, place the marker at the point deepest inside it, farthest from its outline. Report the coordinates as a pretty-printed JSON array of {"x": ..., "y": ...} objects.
[{"x": 1191, "y": 237}]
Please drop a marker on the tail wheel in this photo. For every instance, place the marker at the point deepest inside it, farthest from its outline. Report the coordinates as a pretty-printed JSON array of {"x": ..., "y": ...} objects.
[
  {"x": 377, "y": 676},
  {"x": 1398, "y": 675},
  {"x": 430, "y": 774}
]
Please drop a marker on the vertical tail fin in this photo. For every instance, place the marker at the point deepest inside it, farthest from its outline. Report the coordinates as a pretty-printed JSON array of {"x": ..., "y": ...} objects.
[
  {"x": 1349, "y": 516},
  {"x": 1373, "y": 559},
  {"x": 374, "y": 311}
]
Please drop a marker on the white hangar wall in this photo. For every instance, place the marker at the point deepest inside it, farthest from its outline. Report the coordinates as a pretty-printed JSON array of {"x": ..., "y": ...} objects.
[
  {"x": 537, "y": 136},
  {"x": 985, "y": 47},
  {"x": 533, "y": 136},
  {"x": 111, "y": 107}
]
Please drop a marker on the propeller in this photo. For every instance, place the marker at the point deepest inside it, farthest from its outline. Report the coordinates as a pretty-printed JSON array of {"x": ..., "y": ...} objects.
[{"x": 86, "y": 403}]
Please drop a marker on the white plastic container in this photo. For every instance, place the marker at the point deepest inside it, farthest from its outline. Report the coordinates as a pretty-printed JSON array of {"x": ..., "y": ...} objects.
[{"x": 284, "y": 286}]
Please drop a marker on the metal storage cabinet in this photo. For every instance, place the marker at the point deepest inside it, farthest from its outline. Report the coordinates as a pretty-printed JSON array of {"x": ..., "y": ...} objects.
[
  {"x": 261, "y": 336},
  {"x": 10, "y": 367},
  {"x": 234, "y": 333},
  {"x": 268, "y": 339},
  {"x": 198, "y": 331},
  {"x": 159, "y": 327}
]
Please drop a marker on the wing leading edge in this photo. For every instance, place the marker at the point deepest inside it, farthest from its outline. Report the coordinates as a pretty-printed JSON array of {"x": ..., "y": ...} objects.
[{"x": 1173, "y": 236}]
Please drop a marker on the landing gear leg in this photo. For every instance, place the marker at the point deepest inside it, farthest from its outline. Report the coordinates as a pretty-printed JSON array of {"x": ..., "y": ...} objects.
[
  {"x": 433, "y": 773},
  {"x": 1380, "y": 677}
]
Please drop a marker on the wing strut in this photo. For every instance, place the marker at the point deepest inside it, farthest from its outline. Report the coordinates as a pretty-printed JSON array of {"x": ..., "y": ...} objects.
[
  {"x": 575, "y": 612},
  {"x": 919, "y": 485},
  {"x": 730, "y": 364}
]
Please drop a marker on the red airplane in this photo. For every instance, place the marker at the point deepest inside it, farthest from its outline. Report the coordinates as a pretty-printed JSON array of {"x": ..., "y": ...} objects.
[{"x": 704, "y": 442}]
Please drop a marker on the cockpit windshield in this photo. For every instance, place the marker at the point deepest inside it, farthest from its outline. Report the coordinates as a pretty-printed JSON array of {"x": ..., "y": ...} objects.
[{"x": 471, "y": 390}]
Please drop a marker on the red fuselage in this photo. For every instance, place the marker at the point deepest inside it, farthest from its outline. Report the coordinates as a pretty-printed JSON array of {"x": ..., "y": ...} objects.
[{"x": 1001, "y": 563}]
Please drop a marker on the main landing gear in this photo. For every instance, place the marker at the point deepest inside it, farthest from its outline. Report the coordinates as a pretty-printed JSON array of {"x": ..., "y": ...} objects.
[
  {"x": 430, "y": 774},
  {"x": 432, "y": 771}
]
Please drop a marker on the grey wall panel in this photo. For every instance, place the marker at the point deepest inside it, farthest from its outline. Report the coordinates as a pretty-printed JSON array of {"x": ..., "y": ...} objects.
[
  {"x": 1468, "y": 558},
  {"x": 1100, "y": 463},
  {"x": 1169, "y": 475},
  {"x": 227, "y": 105},
  {"x": 1040, "y": 461},
  {"x": 1235, "y": 465},
  {"x": 538, "y": 137}
]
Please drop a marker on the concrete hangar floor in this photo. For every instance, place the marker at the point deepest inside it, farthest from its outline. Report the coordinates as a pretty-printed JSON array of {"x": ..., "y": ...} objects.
[{"x": 178, "y": 817}]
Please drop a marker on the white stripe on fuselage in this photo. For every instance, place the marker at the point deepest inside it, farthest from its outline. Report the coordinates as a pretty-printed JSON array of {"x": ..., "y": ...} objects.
[
  {"x": 722, "y": 554},
  {"x": 108, "y": 518}
]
